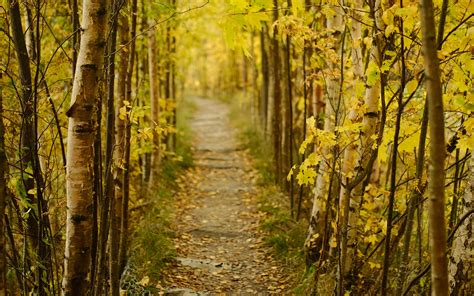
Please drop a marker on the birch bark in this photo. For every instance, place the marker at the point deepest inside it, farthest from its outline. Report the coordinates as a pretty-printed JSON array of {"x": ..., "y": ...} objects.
[{"x": 80, "y": 153}]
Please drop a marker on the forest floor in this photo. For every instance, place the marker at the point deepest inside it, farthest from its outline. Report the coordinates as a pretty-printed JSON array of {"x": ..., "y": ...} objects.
[{"x": 219, "y": 244}]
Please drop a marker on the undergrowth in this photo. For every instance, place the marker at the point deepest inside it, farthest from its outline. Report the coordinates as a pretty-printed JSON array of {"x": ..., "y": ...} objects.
[{"x": 151, "y": 245}]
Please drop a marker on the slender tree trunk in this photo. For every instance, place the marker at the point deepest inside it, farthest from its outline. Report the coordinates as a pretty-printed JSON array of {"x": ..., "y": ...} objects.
[
  {"x": 127, "y": 136},
  {"x": 393, "y": 171},
  {"x": 415, "y": 197},
  {"x": 364, "y": 158},
  {"x": 290, "y": 137},
  {"x": 436, "y": 205},
  {"x": 314, "y": 239},
  {"x": 33, "y": 185},
  {"x": 45, "y": 266},
  {"x": 3, "y": 199},
  {"x": 107, "y": 206},
  {"x": 271, "y": 90},
  {"x": 76, "y": 37},
  {"x": 348, "y": 206},
  {"x": 155, "y": 107},
  {"x": 461, "y": 265},
  {"x": 144, "y": 62},
  {"x": 97, "y": 199},
  {"x": 265, "y": 81},
  {"x": 416, "y": 193},
  {"x": 80, "y": 154},
  {"x": 30, "y": 32},
  {"x": 27, "y": 140},
  {"x": 305, "y": 56},
  {"x": 254, "y": 96},
  {"x": 276, "y": 119},
  {"x": 174, "y": 98},
  {"x": 120, "y": 126}
]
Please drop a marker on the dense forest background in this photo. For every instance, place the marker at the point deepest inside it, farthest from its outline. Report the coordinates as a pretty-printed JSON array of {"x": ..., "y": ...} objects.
[{"x": 358, "y": 115}]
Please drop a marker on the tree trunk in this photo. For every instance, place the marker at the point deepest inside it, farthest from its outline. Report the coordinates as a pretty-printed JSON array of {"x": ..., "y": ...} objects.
[
  {"x": 276, "y": 118},
  {"x": 33, "y": 185},
  {"x": 436, "y": 205},
  {"x": 289, "y": 121},
  {"x": 155, "y": 107},
  {"x": 364, "y": 158},
  {"x": 127, "y": 136},
  {"x": 80, "y": 154},
  {"x": 107, "y": 206},
  {"x": 461, "y": 265},
  {"x": 76, "y": 37},
  {"x": 30, "y": 32},
  {"x": 174, "y": 98},
  {"x": 27, "y": 140},
  {"x": 314, "y": 239},
  {"x": 120, "y": 125},
  {"x": 415, "y": 197},
  {"x": 3, "y": 199},
  {"x": 348, "y": 206},
  {"x": 265, "y": 81}
]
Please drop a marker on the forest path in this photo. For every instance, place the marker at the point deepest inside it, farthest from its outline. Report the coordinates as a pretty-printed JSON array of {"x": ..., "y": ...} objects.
[{"x": 219, "y": 245}]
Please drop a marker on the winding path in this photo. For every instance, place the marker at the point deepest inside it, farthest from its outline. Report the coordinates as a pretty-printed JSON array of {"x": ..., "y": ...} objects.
[{"x": 219, "y": 245}]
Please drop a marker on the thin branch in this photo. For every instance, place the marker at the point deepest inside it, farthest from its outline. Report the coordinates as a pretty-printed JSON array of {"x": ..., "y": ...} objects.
[{"x": 173, "y": 15}]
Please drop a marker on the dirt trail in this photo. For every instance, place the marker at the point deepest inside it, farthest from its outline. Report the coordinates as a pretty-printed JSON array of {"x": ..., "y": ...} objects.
[{"x": 219, "y": 246}]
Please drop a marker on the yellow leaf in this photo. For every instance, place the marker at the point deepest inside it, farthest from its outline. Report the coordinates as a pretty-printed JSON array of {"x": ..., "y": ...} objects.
[
  {"x": 144, "y": 281},
  {"x": 371, "y": 239},
  {"x": 374, "y": 265},
  {"x": 305, "y": 143},
  {"x": 411, "y": 86},
  {"x": 288, "y": 178},
  {"x": 306, "y": 176},
  {"x": 389, "y": 30},
  {"x": 410, "y": 143}
]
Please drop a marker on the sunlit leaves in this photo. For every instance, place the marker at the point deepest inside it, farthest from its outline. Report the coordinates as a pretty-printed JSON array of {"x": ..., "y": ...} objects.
[
  {"x": 466, "y": 139},
  {"x": 305, "y": 144},
  {"x": 307, "y": 172},
  {"x": 306, "y": 176},
  {"x": 241, "y": 17},
  {"x": 124, "y": 110}
]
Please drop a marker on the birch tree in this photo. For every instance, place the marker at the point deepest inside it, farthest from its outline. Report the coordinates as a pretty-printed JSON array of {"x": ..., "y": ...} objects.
[
  {"x": 462, "y": 252},
  {"x": 318, "y": 218},
  {"x": 80, "y": 153}
]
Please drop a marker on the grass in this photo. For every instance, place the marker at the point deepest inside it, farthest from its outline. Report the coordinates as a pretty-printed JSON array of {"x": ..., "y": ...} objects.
[{"x": 151, "y": 245}]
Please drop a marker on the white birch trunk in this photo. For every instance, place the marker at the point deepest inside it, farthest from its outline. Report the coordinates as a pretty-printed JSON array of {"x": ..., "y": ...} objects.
[
  {"x": 316, "y": 225},
  {"x": 462, "y": 252},
  {"x": 348, "y": 217},
  {"x": 80, "y": 153}
]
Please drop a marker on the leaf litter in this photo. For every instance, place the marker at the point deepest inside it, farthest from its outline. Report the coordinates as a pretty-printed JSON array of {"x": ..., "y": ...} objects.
[{"x": 219, "y": 246}]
